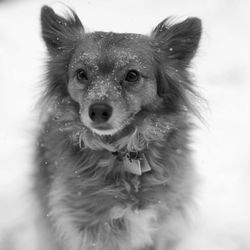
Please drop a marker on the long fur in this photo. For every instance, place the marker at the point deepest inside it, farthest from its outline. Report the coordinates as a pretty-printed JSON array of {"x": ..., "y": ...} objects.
[{"x": 87, "y": 197}]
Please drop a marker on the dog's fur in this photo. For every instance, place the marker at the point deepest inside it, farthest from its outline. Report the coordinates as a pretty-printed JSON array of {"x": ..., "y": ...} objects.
[{"x": 88, "y": 197}]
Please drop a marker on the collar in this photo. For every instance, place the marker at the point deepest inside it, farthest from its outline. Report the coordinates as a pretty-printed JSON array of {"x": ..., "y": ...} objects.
[{"x": 134, "y": 162}]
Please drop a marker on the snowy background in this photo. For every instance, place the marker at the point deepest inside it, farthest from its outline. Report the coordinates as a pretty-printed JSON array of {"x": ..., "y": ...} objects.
[{"x": 222, "y": 151}]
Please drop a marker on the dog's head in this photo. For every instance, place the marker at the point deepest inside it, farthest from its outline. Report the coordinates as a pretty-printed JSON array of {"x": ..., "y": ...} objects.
[{"x": 116, "y": 78}]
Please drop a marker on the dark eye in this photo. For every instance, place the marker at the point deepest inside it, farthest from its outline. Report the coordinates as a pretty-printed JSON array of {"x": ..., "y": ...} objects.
[
  {"x": 132, "y": 76},
  {"x": 81, "y": 75}
]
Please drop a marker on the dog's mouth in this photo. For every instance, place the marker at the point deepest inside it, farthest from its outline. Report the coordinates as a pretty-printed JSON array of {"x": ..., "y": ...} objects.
[
  {"x": 111, "y": 129},
  {"x": 102, "y": 127},
  {"x": 104, "y": 130}
]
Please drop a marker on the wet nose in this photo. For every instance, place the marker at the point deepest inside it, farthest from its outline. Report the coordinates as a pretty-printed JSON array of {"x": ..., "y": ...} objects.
[{"x": 100, "y": 112}]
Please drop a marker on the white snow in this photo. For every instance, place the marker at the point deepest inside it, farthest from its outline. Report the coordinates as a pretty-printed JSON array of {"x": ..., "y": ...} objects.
[{"x": 222, "y": 219}]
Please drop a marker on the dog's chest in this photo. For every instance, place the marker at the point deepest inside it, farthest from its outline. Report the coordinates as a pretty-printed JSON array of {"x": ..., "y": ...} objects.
[
  {"x": 136, "y": 232},
  {"x": 121, "y": 227}
]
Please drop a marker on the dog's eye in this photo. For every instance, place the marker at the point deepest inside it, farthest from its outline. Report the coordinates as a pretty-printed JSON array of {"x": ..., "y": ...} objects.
[
  {"x": 81, "y": 75},
  {"x": 132, "y": 76}
]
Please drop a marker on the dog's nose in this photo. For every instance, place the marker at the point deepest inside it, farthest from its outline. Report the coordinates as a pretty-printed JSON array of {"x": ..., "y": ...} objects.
[{"x": 100, "y": 112}]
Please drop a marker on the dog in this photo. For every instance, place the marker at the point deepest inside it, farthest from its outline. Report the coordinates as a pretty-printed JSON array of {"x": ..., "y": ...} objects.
[{"x": 114, "y": 164}]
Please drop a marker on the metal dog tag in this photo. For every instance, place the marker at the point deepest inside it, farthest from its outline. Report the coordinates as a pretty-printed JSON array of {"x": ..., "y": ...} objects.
[
  {"x": 133, "y": 166},
  {"x": 145, "y": 167}
]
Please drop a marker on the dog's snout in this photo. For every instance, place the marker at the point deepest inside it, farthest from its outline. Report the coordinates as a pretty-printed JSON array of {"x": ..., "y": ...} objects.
[{"x": 100, "y": 112}]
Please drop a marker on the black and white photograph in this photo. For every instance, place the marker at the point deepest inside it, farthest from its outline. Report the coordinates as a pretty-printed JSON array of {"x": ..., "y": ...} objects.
[{"x": 124, "y": 125}]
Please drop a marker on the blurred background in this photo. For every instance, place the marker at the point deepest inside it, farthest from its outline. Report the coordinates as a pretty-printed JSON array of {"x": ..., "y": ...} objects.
[{"x": 222, "y": 151}]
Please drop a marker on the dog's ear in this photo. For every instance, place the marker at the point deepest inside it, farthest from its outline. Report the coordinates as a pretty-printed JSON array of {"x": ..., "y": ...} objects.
[
  {"x": 60, "y": 33},
  {"x": 180, "y": 41}
]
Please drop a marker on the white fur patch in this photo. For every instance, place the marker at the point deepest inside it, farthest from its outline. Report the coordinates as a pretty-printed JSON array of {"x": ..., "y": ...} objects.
[{"x": 141, "y": 225}]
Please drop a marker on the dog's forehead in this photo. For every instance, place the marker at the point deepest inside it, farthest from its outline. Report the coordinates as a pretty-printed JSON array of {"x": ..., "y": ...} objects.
[
  {"x": 107, "y": 40},
  {"x": 109, "y": 51},
  {"x": 115, "y": 57}
]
